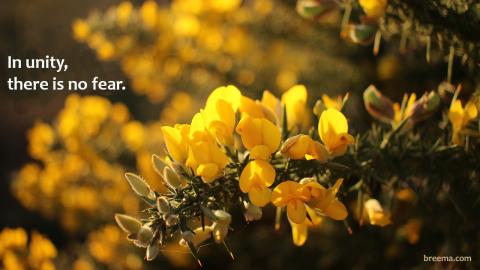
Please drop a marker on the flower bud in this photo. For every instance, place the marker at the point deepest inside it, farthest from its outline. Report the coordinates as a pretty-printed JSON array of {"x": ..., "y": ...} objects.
[
  {"x": 187, "y": 236},
  {"x": 172, "y": 179},
  {"x": 158, "y": 164},
  {"x": 222, "y": 217},
  {"x": 171, "y": 220},
  {"x": 363, "y": 34},
  {"x": 199, "y": 236},
  {"x": 220, "y": 231},
  {"x": 295, "y": 147},
  {"x": 252, "y": 212},
  {"x": 425, "y": 107},
  {"x": 163, "y": 206},
  {"x": 144, "y": 236},
  {"x": 315, "y": 9},
  {"x": 127, "y": 223},
  {"x": 377, "y": 105},
  {"x": 319, "y": 107},
  {"x": 139, "y": 186},
  {"x": 152, "y": 251}
]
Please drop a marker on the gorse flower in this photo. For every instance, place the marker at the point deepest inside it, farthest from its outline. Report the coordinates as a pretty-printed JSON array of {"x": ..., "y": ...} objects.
[
  {"x": 295, "y": 101},
  {"x": 260, "y": 136},
  {"x": 375, "y": 213},
  {"x": 374, "y": 8},
  {"x": 460, "y": 117},
  {"x": 208, "y": 168},
  {"x": 333, "y": 131},
  {"x": 255, "y": 179}
]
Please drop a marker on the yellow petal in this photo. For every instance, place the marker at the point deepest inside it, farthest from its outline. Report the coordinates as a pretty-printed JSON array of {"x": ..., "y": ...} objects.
[
  {"x": 176, "y": 145},
  {"x": 299, "y": 233},
  {"x": 270, "y": 134},
  {"x": 288, "y": 191},
  {"x": 208, "y": 172},
  {"x": 336, "y": 210},
  {"x": 295, "y": 100},
  {"x": 260, "y": 152},
  {"x": 229, "y": 93},
  {"x": 257, "y": 172},
  {"x": 296, "y": 211},
  {"x": 471, "y": 111},
  {"x": 332, "y": 123},
  {"x": 249, "y": 130},
  {"x": 259, "y": 195}
]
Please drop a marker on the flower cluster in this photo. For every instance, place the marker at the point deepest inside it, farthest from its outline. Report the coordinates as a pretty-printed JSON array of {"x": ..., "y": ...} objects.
[
  {"x": 17, "y": 251},
  {"x": 190, "y": 44},
  {"x": 78, "y": 169},
  {"x": 252, "y": 153},
  {"x": 216, "y": 160}
]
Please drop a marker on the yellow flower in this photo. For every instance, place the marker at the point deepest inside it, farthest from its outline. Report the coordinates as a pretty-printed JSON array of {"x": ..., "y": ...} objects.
[
  {"x": 219, "y": 113},
  {"x": 333, "y": 131},
  {"x": 375, "y": 213},
  {"x": 460, "y": 116},
  {"x": 148, "y": 13},
  {"x": 41, "y": 138},
  {"x": 273, "y": 103},
  {"x": 176, "y": 140},
  {"x": 295, "y": 101},
  {"x": 374, "y": 8},
  {"x": 133, "y": 133},
  {"x": 332, "y": 103},
  {"x": 292, "y": 195},
  {"x": 205, "y": 157},
  {"x": 259, "y": 135},
  {"x": 300, "y": 231},
  {"x": 81, "y": 29},
  {"x": 304, "y": 147},
  {"x": 325, "y": 201},
  {"x": 256, "y": 109},
  {"x": 41, "y": 250},
  {"x": 255, "y": 179},
  {"x": 124, "y": 11},
  {"x": 399, "y": 114},
  {"x": 224, "y": 5}
]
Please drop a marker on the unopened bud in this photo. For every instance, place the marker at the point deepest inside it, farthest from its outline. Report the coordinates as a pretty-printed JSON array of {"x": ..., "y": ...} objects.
[
  {"x": 152, "y": 251},
  {"x": 171, "y": 220},
  {"x": 222, "y": 217},
  {"x": 162, "y": 205},
  {"x": 144, "y": 236},
  {"x": 172, "y": 179},
  {"x": 315, "y": 9},
  {"x": 425, "y": 107},
  {"x": 139, "y": 186},
  {"x": 319, "y": 107},
  {"x": 377, "y": 105},
  {"x": 198, "y": 236},
  {"x": 363, "y": 34},
  {"x": 158, "y": 164},
  {"x": 252, "y": 212},
  {"x": 220, "y": 231},
  {"x": 187, "y": 236},
  {"x": 127, "y": 223}
]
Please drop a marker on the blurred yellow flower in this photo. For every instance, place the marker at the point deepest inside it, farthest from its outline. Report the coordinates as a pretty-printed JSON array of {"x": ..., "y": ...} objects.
[
  {"x": 459, "y": 117},
  {"x": 255, "y": 179},
  {"x": 374, "y": 8},
  {"x": 400, "y": 113},
  {"x": 333, "y": 131},
  {"x": 15, "y": 255},
  {"x": 375, "y": 213},
  {"x": 333, "y": 103}
]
